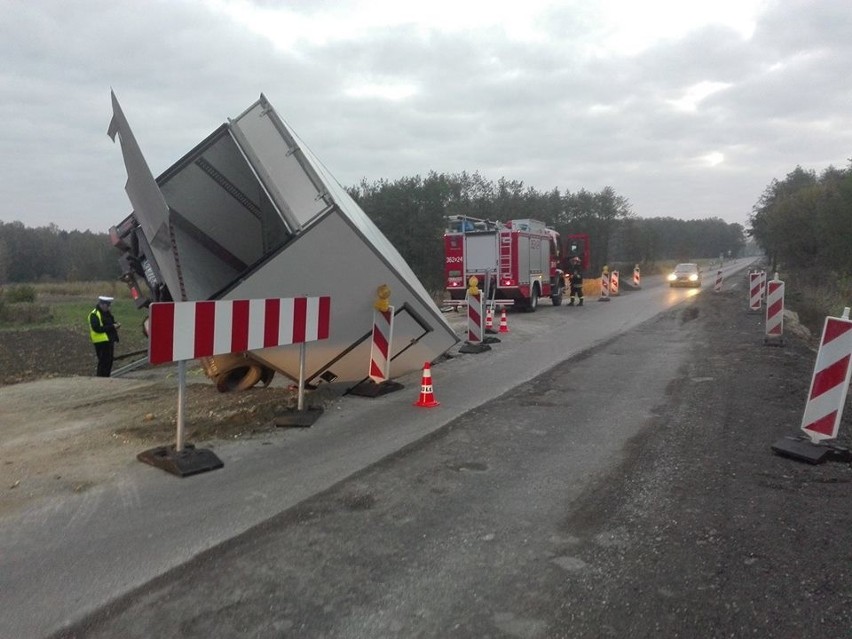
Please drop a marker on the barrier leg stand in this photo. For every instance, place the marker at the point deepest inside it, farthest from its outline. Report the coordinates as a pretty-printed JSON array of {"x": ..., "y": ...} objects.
[
  {"x": 826, "y": 398},
  {"x": 181, "y": 459},
  {"x": 300, "y": 418}
]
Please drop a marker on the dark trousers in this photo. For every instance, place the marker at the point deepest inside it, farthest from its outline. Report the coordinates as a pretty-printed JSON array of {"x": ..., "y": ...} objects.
[
  {"x": 105, "y": 352},
  {"x": 577, "y": 291}
]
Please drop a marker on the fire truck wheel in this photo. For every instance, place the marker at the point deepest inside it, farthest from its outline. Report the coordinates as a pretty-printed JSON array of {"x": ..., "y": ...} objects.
[
  {"x": 556, "y": 298},
  {"x": 532, "y": 304}
]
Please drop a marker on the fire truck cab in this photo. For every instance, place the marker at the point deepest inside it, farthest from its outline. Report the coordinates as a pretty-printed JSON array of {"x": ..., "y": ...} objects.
[{"x": 518, "y": 260}]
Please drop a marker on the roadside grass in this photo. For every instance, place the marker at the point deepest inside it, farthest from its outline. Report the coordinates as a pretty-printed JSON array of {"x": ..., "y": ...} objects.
[
  {"x": 58, "y": 305},
  {"x": 66, "y": 305},
  {"x": 814, "y": 296}
]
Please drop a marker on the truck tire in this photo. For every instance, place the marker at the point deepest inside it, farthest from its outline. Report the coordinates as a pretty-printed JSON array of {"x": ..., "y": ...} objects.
[
  {"x": 532, "y": 302},
  {"x": 556, "y": 298}
]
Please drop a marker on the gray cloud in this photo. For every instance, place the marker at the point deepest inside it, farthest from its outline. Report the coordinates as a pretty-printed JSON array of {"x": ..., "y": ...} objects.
[{"x": 553, "y": 113}]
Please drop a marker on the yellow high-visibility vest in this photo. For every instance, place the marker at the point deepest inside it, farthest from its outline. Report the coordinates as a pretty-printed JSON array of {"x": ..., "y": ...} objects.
[{"x": 97, "y": 337}]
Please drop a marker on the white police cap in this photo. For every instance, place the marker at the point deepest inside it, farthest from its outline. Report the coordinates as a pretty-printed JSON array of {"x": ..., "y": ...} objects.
[{"x": 104, "y": 298}]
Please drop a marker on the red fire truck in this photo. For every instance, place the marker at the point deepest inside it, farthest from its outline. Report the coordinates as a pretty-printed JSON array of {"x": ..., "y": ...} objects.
[{"x": 519, "y": 260}]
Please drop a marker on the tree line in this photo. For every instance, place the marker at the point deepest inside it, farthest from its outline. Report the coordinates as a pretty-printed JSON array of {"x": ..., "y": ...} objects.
[
  {"x": 804, "y": 221},
  {"x": 412, "y": 212},
  {"x": 49, "y": 254}
]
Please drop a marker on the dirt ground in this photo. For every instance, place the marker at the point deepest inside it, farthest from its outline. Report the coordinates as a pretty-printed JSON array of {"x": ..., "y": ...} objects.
[{"x": 89, "y": 427}]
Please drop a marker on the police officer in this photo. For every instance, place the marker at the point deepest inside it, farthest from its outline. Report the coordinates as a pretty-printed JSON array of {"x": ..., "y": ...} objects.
[
  {"x": 104, "y": 334},
  {"x": 575, "y": 271}
]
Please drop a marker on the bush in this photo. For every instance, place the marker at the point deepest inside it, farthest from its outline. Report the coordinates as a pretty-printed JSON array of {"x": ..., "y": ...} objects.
[
  {"x": 25, "y": 313},
  {"x": 20, "y": 294},
  {"x": 87, "y": 289}
]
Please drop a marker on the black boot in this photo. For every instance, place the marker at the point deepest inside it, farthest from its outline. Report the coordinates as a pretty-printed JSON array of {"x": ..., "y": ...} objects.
[
  {"x": 581, "y": 302},
  {"x": 571, "y": 302}
]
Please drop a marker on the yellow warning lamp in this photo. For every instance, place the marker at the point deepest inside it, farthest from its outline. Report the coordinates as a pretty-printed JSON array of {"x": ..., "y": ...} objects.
[
  {"x": 605, "y": 269},
  {"x": 382, "y": 303},
  {"x": 473, "y": 285}
]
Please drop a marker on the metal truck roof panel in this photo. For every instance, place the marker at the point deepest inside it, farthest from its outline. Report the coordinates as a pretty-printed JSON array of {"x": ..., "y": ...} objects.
[{"x": 250, "y": 212}]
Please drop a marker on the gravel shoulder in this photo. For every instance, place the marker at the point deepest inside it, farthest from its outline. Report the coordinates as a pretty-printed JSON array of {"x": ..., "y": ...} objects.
[
  {"x": 67, "y": 435},
  {"x": 716, "y": 533}
]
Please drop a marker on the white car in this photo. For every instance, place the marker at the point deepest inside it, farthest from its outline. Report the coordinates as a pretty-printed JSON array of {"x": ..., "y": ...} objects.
[{"x": 687, "y": 274}]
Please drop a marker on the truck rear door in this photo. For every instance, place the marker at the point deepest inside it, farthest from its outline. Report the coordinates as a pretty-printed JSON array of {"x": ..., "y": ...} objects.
[{"x": 480, "y": 252}]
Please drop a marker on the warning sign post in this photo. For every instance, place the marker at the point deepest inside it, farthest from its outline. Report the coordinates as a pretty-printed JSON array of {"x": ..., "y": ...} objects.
[
  {"x": 826, "y": 398},
  {"x": 181, "y": 331}
]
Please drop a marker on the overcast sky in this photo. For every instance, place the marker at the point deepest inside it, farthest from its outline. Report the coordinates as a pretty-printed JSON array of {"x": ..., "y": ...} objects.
[{"x": 688, "y": 109}]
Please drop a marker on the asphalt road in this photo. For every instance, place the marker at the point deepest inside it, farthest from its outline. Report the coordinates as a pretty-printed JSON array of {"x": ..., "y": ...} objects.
[{"x": 382, "y": 519}]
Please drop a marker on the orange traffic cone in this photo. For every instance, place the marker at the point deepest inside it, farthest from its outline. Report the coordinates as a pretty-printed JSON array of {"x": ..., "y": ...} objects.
[
  {"x": 427, "y": 397},
  {"x": 504, "y": 324}
]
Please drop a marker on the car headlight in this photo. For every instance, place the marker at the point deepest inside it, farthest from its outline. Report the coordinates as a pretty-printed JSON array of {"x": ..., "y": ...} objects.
[
  {"x": 693, "y": 278},
  {"x": 672, "y": 277}
]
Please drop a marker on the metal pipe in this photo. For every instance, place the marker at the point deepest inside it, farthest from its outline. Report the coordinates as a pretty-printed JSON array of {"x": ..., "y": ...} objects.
[
  {"x": 181, "y": 405},
  {"x": 300, "y": 403}
]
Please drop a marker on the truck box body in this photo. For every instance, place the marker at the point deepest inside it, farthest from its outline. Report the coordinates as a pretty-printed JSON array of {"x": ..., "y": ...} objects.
[{"x": 251, "y": 213}]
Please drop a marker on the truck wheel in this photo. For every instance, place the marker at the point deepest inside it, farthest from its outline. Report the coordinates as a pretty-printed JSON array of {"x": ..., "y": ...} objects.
[
  {"x": 532, "y": 304},
  {"x": 556, "y": 298}
]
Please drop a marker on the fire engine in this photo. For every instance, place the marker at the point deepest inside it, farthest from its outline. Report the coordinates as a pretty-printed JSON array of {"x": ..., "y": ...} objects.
[{"x": 519, "y": 260}]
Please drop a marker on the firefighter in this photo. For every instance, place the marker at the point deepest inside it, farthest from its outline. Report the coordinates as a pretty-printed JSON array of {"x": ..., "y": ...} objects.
[
  {"x": 575, "y": 272},
  {"x": 103, "y": 329}
]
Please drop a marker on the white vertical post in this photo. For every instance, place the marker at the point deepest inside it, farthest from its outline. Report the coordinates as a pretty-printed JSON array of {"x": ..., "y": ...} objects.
[
  {"x": 181, "y": 404},
  {"x": 300, "y": 401}
]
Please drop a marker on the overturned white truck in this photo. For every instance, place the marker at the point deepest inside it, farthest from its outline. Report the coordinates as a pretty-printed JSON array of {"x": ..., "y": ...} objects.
[{"x": 251, "y": 213}]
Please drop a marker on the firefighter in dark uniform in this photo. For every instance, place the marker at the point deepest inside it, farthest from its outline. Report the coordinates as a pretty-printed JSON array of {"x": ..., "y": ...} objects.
[
  {"x": 575, "y": 272},
  {"x": 103, "y": 329}
]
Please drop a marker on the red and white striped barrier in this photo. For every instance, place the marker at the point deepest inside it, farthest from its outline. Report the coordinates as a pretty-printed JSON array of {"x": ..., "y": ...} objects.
[
  {"x": 380, "y": 350},
  {"x": 180, "y": 331},
  {"x": 189, "y": 330},
  {"x": 636, "y": 276},
  {"x": 830, "y": 382},
  {"x": 474, "y": 318},
  {"x": 613, "y": 283},
  {"x": 775, "y": 309},
  {"x": 717, "y": 287},
  {"x": 755, "y": 291},
  {"x": 489, "y": 320},
  {"x": 604, "y": 287}
]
